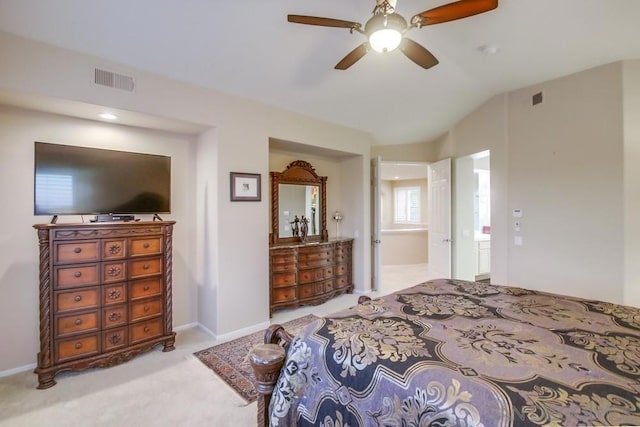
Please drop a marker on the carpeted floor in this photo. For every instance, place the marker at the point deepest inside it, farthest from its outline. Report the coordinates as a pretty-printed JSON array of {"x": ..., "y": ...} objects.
[{"x": 231, "y": 363}]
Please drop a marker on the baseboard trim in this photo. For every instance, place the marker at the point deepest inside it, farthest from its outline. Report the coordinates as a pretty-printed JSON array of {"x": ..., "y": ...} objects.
[
  {"x": 206, "y": 330},
  {"x": 242, "y": 332},
  {"x": 185, "y": 327},
  {"x": 17, "y": 370}
]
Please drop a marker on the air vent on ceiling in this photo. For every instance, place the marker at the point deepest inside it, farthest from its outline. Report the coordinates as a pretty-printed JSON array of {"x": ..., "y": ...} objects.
[
  {"x": 536, "y": 99},
  {"x": 114, "y": 80}
]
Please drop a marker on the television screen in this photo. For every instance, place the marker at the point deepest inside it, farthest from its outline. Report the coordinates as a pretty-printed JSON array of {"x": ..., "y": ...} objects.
[{"x": 72, "y": 180}]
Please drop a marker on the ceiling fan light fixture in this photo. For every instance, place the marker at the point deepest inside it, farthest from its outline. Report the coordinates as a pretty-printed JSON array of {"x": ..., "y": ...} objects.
[
  {"x": 385, "y": 31},
  {"x": 385, "y": 40}
]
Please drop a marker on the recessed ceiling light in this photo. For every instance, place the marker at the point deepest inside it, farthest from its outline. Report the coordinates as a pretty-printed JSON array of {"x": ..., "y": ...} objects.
[
  {"x": 108, "y": 116},
  {"x": 396, "y": 177},
  {"x": 488, "y": 49}
]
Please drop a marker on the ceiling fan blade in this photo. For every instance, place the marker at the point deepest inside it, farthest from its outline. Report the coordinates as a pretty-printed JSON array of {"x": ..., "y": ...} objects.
[
  {"x": 418, "y": 53},
  {"x": 452, "y": 11},
  {"x": 353, "y": 56},
  {"x": 324, "y": 22}
]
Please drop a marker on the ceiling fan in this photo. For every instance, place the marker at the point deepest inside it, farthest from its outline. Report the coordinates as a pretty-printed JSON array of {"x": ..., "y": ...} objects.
[{"x": 386, "y": 29}]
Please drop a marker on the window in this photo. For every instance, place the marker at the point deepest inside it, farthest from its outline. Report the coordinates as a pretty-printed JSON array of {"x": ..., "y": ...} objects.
[
  {"x": 407, "y": 205},
  {"x": 54, "y": 192}
]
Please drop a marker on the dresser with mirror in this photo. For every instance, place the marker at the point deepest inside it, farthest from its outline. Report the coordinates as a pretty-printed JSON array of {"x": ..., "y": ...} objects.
[{"x": 305, "y": 266}]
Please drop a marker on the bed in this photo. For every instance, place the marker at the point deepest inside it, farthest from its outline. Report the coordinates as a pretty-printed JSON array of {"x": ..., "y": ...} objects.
[{"x": 458, "y": 353}]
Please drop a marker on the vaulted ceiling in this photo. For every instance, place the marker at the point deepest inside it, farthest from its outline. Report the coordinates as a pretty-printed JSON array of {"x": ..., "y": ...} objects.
[{"x": 247, "y": 48}]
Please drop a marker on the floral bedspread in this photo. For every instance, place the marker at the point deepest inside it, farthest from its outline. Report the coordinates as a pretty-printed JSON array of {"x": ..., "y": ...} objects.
[{"x": 457, "y": 353}]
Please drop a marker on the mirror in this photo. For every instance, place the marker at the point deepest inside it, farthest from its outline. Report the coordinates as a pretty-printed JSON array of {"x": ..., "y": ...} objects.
[{"x": 297, "y": 193}]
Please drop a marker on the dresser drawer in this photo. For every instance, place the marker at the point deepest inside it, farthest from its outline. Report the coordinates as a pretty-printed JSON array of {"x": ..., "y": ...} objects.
[
  {"x": 145, "y": 267},
  {"x": 76, "y": 252},
  {"x": 72, "y": 348},
  {"x": 289, "y": 258},
  {"x": 76, "y": 300},
  {"x": 276, "y": 268},
  {"x": 114, "y": 271},
  {"x": 317, "y": 255},
  {"x": 75, "y": 276},
  {"x": 328, "y": 285},
  {"x": 145, "y": 288},
  {"x": 145, "y": 246},
  {"x": 283, "y": 295},
  {"x": 114, "y": 294},
  {"x": 114, "y": 316},
  {"x": 114, "y": 338},
  {"x": 74, "y": 323},
  {"x": 283, "y": 279},
  {"x": 145, "y": 330},
  {"x": 340, "y": 269},
  {"x": 307, "y": 291},
  {"x": 341, "y": 282},
  {"x": 145, "y": 309},
  {"x": 308, "y": 276},
  {"x": 114, "y": 249},
  {"x": 315, "y": 262}
]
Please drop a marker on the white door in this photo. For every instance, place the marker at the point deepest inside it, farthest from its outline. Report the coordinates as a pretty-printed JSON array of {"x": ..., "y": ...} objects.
[
  {"x": 439, "y": 176},
  {"x": 376, "y": 223}
]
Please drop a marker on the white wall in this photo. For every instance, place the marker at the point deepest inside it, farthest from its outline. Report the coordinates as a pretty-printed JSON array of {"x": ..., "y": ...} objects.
[
  {"x": 229, "y": 254},
  {"x": 20, "y": 257}
]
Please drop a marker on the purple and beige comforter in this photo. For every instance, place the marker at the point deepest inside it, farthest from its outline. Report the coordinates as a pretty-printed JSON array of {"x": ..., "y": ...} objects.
[{"x": 457, "y": 353}]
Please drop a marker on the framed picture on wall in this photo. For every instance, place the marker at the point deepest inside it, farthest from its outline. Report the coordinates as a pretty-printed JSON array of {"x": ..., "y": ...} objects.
[{"x": 245, "y": 187}]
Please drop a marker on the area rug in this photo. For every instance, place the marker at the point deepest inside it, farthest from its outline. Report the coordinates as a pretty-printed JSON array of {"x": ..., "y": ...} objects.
[{"x": 230, "y": 360}]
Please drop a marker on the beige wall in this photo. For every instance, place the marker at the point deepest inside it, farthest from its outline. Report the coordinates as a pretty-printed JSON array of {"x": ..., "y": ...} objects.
[
  {"x": 402, "y": 247},
  {"x": 227, "y": 255},
  {"x": 565, "y": 173},
  {"x": 423, "y": 152},
  {"x": 561, "y": 163},
  {"x": 631, "y": 118},
  {"x": 19, "y": 261}
]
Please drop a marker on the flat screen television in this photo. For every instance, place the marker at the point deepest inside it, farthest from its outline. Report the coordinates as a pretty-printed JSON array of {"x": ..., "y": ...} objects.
[{"x": 71, "y": 180}]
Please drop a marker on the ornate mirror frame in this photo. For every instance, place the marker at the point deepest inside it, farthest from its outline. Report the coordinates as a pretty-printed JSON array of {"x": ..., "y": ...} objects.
[{"x": 301, "y": 173}]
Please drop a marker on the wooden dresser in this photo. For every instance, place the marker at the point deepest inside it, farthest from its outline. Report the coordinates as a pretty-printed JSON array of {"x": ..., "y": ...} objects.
[
  {"x": 309, "y": 274},
  {"x": 105, "y": 294}
]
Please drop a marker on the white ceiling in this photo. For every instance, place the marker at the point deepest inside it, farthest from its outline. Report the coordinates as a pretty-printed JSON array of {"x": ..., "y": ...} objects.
[{"x": 247, "y": 48}]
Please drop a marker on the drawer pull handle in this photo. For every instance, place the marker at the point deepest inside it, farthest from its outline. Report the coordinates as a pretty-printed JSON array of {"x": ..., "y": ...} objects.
[
  {"x": 78, "y": 322},
  {"x": 146, "y": 329},
  {"x": 77, "y": 274},
  {"x": 78, "y": 345},
  {"x": 114, "y": 316},
  {"x": 77, "y": 298},
  {"x": 146, "y": 308},
  {"x": 77, "y": 250},
  {"x": 146, "y": 246},
  {"x": 115, "y": 338},
  {"x": 146, "y": 266},
  {"x": 146, "y": 287},
  {"x": 114, "y": 294}
]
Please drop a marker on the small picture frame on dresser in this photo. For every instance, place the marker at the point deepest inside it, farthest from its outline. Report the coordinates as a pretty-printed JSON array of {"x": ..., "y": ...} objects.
[{"x": 245, "y": 187}]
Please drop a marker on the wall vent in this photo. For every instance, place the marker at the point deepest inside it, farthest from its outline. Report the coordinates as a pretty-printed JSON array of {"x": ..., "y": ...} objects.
[
  {"x": 114, "y": 80},
  {"x": 536, "y": 99}
]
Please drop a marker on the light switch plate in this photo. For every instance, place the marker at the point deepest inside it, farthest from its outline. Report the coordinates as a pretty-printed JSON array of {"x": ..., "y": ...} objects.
[{"x": 517, "y": 240}]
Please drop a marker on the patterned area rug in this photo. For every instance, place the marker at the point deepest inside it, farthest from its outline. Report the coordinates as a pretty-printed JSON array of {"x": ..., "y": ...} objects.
[{"x": 230, "y": 360}]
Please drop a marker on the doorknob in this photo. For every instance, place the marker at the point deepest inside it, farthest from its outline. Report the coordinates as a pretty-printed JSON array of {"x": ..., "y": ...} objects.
[
  {"x": 377, "y": 241},
  {"x": 447, "y": 240}
]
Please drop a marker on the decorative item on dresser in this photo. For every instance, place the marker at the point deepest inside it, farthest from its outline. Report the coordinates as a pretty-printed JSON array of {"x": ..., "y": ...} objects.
[
  {"x": 105, "y": 294},
  {"x": 309, "y": 274}
]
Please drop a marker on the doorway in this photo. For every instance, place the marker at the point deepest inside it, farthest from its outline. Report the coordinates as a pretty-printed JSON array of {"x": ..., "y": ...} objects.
[
  {"x": 403, "y": 234},
  {"x": 472, "y": 218}
]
